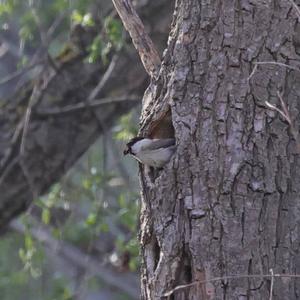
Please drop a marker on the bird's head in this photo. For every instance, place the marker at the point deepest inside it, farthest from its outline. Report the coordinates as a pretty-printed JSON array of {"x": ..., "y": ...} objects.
[{"x": 128, "y": 148}]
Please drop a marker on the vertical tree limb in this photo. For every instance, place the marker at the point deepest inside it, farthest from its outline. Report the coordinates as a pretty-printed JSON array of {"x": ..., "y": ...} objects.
[{"x": 141, "y": 40}]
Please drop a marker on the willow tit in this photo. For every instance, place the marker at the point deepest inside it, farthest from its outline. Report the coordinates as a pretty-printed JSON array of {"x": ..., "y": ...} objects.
[{"x": 152, "y": 152}]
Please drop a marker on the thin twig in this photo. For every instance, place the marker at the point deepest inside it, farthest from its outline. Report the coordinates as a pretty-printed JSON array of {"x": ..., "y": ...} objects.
[
  {"x": 95, "y": 92},
  {"x": 284, "y": 111},
  {"x": 277, "y": 64},
  {"x": 140, "y": 38},
  {"x": 272, "y": 284},
  {"x": 56, "y": 24},
  {"x": 215, "y": 279},
  {"x": 257, "y": 63},
  {"x": 20, "y": 72},
  {"x": 39, "y": 25},
  {"x": 35, "y": 97},
  {"x": 84, "y": 105},
  {"x": 22, "y": 128},
  {"x": 277, "y": 109},
  {"x": 41, "y": 55},
  {"x": 253, "y": 71},
  {"x": 32, "y": 100}
]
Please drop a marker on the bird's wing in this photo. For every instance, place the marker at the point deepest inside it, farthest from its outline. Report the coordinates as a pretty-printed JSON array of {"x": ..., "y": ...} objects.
[{"x": 161, "y": 143}]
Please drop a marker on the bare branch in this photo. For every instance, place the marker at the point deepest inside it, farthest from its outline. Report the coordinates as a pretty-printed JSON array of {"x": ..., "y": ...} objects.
[
  {"x": 84, "y": 105},
  {"x": 277, "y": 64},
  {"x": 21, "y": 72},
  {"x": 95, "y": 92},
  {"x": 57, "y": 22},
  {"x": 140, "y": 38},
  {"x": 284, "y": 111},
  {"x": 253, "y": 72},
  {"x": 277, "y": 109},
  {"x": 215, "y": 279},
  {"x": 35, "y": 97},
  {"x": 257, "y": 63}
]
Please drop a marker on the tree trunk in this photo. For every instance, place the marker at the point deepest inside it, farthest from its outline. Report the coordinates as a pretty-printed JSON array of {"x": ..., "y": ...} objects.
[{"x": 228, "y": 202}]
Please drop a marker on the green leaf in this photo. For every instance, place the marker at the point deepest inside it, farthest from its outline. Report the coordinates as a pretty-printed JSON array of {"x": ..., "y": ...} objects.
[
  {"x": 46, "y": 214},
  {"x": 87, "y": 183},
  {"x": 84, "y": 20},
  {"x": 91, "y": 219},
  {"x": 122, "y": 201},
  {"x": 126, "y": 129},
  {"x": 76, "y": 17},
  {"x": 28, "y": 241},
  {"x": 133, "y": 265},
  {"x": 95, "y": 50}
]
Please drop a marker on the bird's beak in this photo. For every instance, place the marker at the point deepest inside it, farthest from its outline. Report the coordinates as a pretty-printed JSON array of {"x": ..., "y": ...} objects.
[{"x": 126, "y": 151}]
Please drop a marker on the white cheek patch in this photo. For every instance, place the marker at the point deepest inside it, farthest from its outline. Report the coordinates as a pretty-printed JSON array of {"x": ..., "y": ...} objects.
[{"x": 155, "y": 158}]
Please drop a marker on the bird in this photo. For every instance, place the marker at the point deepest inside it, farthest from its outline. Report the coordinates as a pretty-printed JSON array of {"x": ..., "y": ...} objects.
[{"x": 151, "y": 152}]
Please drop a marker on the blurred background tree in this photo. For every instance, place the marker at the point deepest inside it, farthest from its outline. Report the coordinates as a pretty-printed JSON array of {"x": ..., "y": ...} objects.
[{"x": 70, "y": 90}]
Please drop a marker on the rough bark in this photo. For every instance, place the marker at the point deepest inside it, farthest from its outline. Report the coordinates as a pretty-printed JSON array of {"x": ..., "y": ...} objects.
[
  {"x": 36, "y": 154},
  {"x": 228, "y": 202}
]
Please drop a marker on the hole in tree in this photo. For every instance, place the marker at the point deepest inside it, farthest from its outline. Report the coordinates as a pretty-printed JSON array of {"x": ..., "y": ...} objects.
[
  {"x": 188, "y": 273},
  {"x": 156, "y": 252},
  {"x": 163, "y": 128}
]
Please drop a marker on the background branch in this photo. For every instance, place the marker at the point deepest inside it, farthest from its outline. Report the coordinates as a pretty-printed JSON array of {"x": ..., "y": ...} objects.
[
  {"x": 128, "y": 284},
  {"x": 140, "y": 38}
]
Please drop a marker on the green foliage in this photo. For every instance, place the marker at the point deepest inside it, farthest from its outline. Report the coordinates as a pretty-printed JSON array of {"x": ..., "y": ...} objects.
[
  {"x": 23, "y": 62},
  {"x": 91, "y": 219},
  {"x": 114, "y": 30},
  {"x": 61, "y": 291},
  {"x": 28, "y": 27},
  {"x": 128, "y": 212},
  {"x": 127, "y": 128},
  {"x": 6, "y": 8},
  {"x": 32, "y": 16},
  {"x": 29, "y": 256},
  {"x": 81, "y": 5},
  {"x": 95, "y": 50},
  {"x": 60, "y": 5},
  {"x": 46, "y": 214},
  {"x": 103, "y": 45},
  {"x": 128, "y": 217},
  {"x": 83, "y": 19},
  {"x": 12, "y": 279},
  {"x": 53, "y": 199}
]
